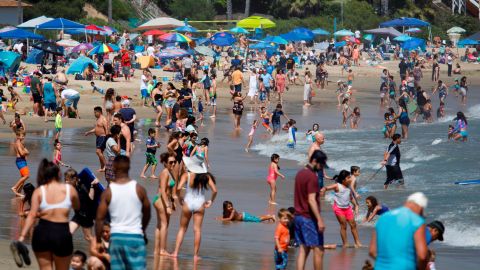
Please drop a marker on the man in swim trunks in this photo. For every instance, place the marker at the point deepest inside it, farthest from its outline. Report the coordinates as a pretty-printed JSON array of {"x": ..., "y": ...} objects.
[
  {"x": 391, "y": 161},
  {"x": 317, "y": 145},
  {"x": 100, "y": 130},
  {"x": 21, "y": 162}
]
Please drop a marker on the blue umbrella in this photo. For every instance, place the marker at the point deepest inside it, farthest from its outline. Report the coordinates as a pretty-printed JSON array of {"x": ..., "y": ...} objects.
[
  {"x": 19, "y": 33},
  {"x": 115, "y": 47},
  {"x": 343, "y": 32},
  {"x": 238, "y": 30},
  {"x": 403, "y": 38},
  {"x": 222, "y": 39},
  {"x": 464, "y": 42},
  {"x": 340, "y": 44},
  {"x": 303, "y": 31},
  {"x": 320, "y": 32},
  {"x": 60, "y": 23},
  {"x": 186, "y": 28},
  {"x": 261, "y": 46},
  {"x": 413, "y": 44},
  {"x": 275, "y": 39},
  {"x": 80, "y": 64}
]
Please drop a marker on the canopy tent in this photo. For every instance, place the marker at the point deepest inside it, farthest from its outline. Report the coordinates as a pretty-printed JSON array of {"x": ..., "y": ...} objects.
[
  {"x": 275, "y": 39},
  {"x": 456, "y": 29},
  {"x": 9, "y": 62},
  {"x": 146, "y": 61},
  {"x": 475, "y": 36},
  {"x": 80, "y": 64},
  {"x": 413, "y": 30},
  {"x": 320, "y": 32},
  {"x": 343, "y": 32},
  {"x": 413, "y": 44},
  {"x": 466, "y": 41},
  {"x": 238, "y": 30},
  {"x": 17, "y": 33},
  {"x": 389, "y": 31},
  {"x": 405, "y": 22},
  {"x": 253, "y": 22},
  {"x": 33, "y": 23},
  {"x": 35, "y": 57},
  {"x": 161, "y": 23},
  {"x": 222, "y": 39},
  {"x": 60, "y": 24}
]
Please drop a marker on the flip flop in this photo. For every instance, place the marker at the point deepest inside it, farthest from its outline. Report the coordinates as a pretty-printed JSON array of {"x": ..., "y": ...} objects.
[{"x": 16, "y": 253}]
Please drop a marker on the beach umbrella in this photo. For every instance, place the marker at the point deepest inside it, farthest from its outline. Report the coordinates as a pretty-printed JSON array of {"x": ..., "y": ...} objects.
[
  {"x": 413, "y": 44},
  {"x": 68, "y": 43},
  {"x": 368, "y": 37},
  {"x": 174, "y": 37},
  {"x": 413, "y": 30},
  {"x": 82, "y": 47},
  {"x": 464, "y": 42},
  {"x": 275, "y": 39},
  {"x": 93, "y": 27},
  {"x": 262, "y": 46},
  {"x": 115, "y": 47},
  {"x": 255, "y": 22},
  {"x": 352, "y": 39},
  {"x": 80, "y": 64},
  {"x": 186, "y": 28},
  {"x": 161, "y": 23},
  {"x": 340, "y": 44},
  {"x": 101, "y": 49},
  {"x": 34, "y": 22},
  {"x": 154, "y": 32},
  {"x": 109, "y": 30},
  {"x": 60, "y": 24},
  {"x": 402, "y": 38},
  {"x": 238, "y": 30},
  {"x": 49, "y": 47},
  {"x": 405, "y": 22},
  {"x": 204, "y": 50},
  {"x": 320, "y": 32},
  {"x": 343, "y": 32},
  {"x": 222, "y": 39},
  {"x": 172, "y": 53},
  {"x": 456, "y": 29}
]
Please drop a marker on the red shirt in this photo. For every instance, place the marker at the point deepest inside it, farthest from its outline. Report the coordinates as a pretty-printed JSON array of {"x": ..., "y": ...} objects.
[
  {"x": 306, "y": 182},
  {"x": 126, "y": 60}
]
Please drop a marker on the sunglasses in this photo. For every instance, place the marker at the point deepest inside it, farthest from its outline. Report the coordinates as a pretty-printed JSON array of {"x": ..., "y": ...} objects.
[{"x": 171, "y": 162}]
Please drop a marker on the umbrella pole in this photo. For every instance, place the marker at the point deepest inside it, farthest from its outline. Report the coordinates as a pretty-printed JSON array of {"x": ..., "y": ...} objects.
[{"x": 86, "y": 39}]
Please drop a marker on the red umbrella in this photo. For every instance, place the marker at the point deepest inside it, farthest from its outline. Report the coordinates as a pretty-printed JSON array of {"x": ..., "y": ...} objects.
[
  {"x": 93, "y": 27},
  {"x": 154, "y": 33}
]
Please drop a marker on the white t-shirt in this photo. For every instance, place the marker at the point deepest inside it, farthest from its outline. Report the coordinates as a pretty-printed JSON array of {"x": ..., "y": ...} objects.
[
  {"x": 449, "y": 60},
  {"x": 150, "y": 51},
  {"x": 143, "y": 82},
  {"x": 108, "y": 148},
  {"x": 187, "y": 62},
  {"x": 68, "y": 93}
]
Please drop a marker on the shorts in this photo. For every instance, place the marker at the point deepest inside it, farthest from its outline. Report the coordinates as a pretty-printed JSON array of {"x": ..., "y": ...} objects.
[
  {"x": 170, "y": 103},
  {"x": 150, "y": 159},
  {"x": 250, "y": 218},
  {"x": 36, "y": 98},
  {"x": 291, "y": 145},
  {"x": 238, "y": 87},
  {"x": 464, "y": 133},
  {"x": 52, "y": 237},
  {"x": 320, "y": 177},
  {"x": 213, "y": 101},
  {"x": 109, "y": 173},
  {"x": 83, "y": 220},
  {"x": 126, "y": 70},
  {"x": 127, "y": 251},
  {"x": 100, "y": 142},
  {"x": 266, "y": 125},
  {"x": 187, "y": 72},
  {"x": 58, "y": 130},
  {"x": 394, "y": 173},
  {"x": 307, "y": 233},
  {"x": 22, "y": 166},
  {"x": 276, "y": 125},
  {"x": 72, "y": 101},
  {"x": 281, "y": 259},
  {"x": 262, "y": 96},
  {"x": 350, "y": 82},
  {"x": 144, "y": 93},
  {"x": 50, "y": 106},
  {"x": 267, "y": 89},
  {"x": 343, "y": 212}
]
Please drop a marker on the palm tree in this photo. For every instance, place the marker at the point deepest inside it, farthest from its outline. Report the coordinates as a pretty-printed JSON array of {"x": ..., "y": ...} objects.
[
  {"x": 247, "y": 8},
  {"x": 229, "y": 9}
]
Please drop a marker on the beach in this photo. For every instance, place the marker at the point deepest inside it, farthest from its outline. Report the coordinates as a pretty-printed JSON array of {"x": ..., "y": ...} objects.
[{"x": 241, "y": 176}]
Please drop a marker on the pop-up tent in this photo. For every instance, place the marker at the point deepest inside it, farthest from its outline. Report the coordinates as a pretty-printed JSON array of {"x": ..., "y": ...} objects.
[
  {"x": 33, "y": 23},
  {"x": 35, "y": 57},
  {"x": 60, "y": 24},
  {"x": 80, "y": 64},
  {"x": 388, "y": 31},
  {"x": 146, "y": 61},
  {"x": 9, "y": 62},
  {"x": 414, "y": 44},
  {"x": 17, "y": 33}
]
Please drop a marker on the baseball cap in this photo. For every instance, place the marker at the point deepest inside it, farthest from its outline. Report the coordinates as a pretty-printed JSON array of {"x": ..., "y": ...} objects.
[
  {"x": 419, "y": 199},
  {"x": 440, "y": 228}
]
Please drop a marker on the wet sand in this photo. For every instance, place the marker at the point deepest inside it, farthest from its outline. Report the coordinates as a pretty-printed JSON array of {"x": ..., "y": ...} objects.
[{"x": 240, "y": 176}]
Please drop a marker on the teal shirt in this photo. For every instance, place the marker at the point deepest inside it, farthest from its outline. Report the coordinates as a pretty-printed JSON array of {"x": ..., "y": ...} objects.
[{"x": 395, "y": 243}]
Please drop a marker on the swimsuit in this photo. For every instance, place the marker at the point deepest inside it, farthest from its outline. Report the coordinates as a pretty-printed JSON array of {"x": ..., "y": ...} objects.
[
  {"x": 22, "y": 166},
  {"x": 194, "y": 198},
  {"x": 171, "y": 184},
  {"x": 272, "y": 175}
]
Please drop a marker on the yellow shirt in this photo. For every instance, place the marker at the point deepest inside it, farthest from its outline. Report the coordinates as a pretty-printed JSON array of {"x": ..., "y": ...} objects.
[{"x": 237, "y": 77}]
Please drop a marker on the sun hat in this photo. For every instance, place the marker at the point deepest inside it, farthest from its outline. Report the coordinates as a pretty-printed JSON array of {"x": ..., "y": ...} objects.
[
  {"x": 419, "y": 199},
  {"x": 440, "y": 228},
  {"x": 194, "y": 165}
]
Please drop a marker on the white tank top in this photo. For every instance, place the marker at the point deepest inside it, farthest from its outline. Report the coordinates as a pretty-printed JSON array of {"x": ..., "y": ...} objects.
[
  {"x": 342, "y": 197},
  {"x": 65, "y": 204},
  {"x": 125, "y": 208}
]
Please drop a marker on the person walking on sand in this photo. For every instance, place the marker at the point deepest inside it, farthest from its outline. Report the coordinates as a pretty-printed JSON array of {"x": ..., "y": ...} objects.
[
  {"x": 127, "y": 204},
  {"x": 100, "y": 130},
  {"x": 391, "y": 161},
  {"x": 273, "y": 173},
  {"x": 21, "y": 161},
  {"x": 399, "y": 242},
  {"x": 309, "y": 226}
]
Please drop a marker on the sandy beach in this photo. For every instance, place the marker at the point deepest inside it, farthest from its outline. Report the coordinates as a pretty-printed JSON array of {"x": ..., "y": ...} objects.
[{"x": 240, "y": 175}]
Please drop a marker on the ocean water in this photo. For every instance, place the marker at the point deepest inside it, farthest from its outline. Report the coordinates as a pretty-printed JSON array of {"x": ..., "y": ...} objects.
[{"x": 429, "y": 161}]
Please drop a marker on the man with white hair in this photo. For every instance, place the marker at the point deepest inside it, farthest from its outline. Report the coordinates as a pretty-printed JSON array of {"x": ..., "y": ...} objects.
[{"x": 398, "y": 241}]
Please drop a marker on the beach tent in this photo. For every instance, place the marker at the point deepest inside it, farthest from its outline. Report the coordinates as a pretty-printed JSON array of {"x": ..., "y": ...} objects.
[
  {"x": 16, "y": 33},
  {"x": 413, "y": 44},
  {"x": 80, "y": 64},
  {"x": 146, "y": 61},
  {"x": 405, "y": 22},
  {"x": 475, "y": 36},
  {"x": 389, "y": 31},
  {"x": 253, "y": 22},
  {"x": 60, "y": 24},
  {"x": 222, "y": 39},
  {"x": 320, "y": 32},
  {"x": 9, "y": 62},
  {"x": 35, "y": 57},
  {"x": 161, "y": 23},
  {"x": 33, "y": 23},
  {"x": 467, "y": 41}
]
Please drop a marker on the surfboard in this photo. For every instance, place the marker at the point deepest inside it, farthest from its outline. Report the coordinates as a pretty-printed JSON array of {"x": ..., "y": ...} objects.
[
  {"x": 86, "y": 176},
  {"x": 468, "y": 182}
]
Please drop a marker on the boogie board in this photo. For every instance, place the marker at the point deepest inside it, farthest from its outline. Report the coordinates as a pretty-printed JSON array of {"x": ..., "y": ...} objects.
[
  {"x": 86, "y": 177},
  {"x": 468, "y": 182},
  {"x": 412, "y": 108}
]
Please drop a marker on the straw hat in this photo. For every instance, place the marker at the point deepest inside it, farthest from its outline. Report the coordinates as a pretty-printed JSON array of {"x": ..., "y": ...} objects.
[{"x": 194, "y": 165}]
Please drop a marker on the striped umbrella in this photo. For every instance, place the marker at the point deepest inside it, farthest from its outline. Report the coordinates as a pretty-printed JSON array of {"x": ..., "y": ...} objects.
[
  {"x": 101, "y": 49},
  {"x": 174, "y": 37}
]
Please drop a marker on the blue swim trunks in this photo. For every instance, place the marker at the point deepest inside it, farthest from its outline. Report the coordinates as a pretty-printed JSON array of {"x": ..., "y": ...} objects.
[
  {"x": 307, "y": 233},
  {"x": 127, "y": 251},
  {"x": 281, "y": 259},
  {"x": 250, "y": 218}
]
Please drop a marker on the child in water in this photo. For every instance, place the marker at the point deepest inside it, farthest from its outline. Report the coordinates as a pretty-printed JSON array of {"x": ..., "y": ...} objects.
[
  {"x": 273, "y": 173},
  {"x": 355, "y": 171},
  {"x": 250, "y": 135},
  {"x": 312, "y": 132},
  {"x": 374, "y": 208},
  {"x": 345, "y": 110},
  {"x": 230, "y": 214},
  {"x": 201, "y": 151},
  {"x": 282, "y": 239},
  {"x": 292, "y": 141},
  {"x": 450, "y": 132},
  {"x": 57, "y": 154}
]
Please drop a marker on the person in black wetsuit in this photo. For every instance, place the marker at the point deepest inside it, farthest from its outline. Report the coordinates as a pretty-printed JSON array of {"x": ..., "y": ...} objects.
[{"x": 391, "y": 160}]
